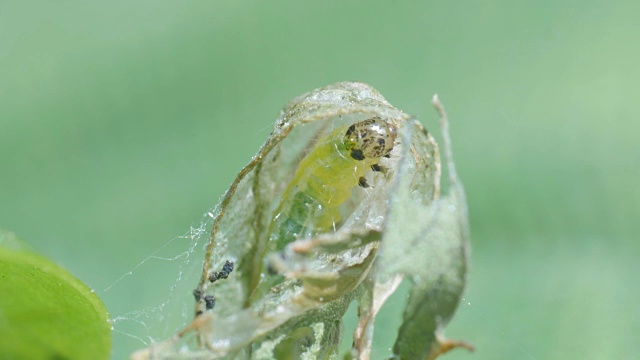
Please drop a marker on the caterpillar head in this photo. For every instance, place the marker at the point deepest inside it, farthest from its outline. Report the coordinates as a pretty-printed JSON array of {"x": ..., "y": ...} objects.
[{"x": 371, "y": 138}]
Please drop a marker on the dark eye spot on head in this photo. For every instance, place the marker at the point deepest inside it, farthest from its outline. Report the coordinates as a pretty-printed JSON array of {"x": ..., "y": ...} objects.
[
  {"x": 357, "y": 154},
  {"x": 381, "y": 141},
  {"x": 350, "y": 130}
]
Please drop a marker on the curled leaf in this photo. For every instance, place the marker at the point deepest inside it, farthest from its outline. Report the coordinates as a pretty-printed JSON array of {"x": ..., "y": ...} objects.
[{"x": 291, "y": 299}]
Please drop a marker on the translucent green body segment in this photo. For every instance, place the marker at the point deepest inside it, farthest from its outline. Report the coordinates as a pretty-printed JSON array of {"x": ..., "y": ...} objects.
[{"x": 324, "y": 179}]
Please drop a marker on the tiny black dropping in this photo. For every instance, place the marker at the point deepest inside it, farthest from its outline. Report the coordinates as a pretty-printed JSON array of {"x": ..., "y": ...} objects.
[
  {"x": 197, "y": 294},
  {"x": 227, "y": 268},
  {"x": 209, "y": 302}
]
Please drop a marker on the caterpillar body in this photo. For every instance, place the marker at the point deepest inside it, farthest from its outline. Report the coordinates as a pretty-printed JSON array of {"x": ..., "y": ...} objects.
[{"x": 323, "y": 181}]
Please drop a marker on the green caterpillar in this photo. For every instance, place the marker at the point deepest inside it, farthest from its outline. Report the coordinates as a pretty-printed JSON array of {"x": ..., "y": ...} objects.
[{"x": 324, "y": 179}]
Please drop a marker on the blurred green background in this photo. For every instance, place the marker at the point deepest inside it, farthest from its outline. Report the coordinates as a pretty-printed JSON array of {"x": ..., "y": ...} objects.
[{"x": 122, "y": 122}]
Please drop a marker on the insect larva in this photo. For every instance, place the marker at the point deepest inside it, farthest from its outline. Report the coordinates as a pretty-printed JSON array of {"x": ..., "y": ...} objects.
[
  {"x": 325, "y": 177},
  {"x": 323, "y": 181}
]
